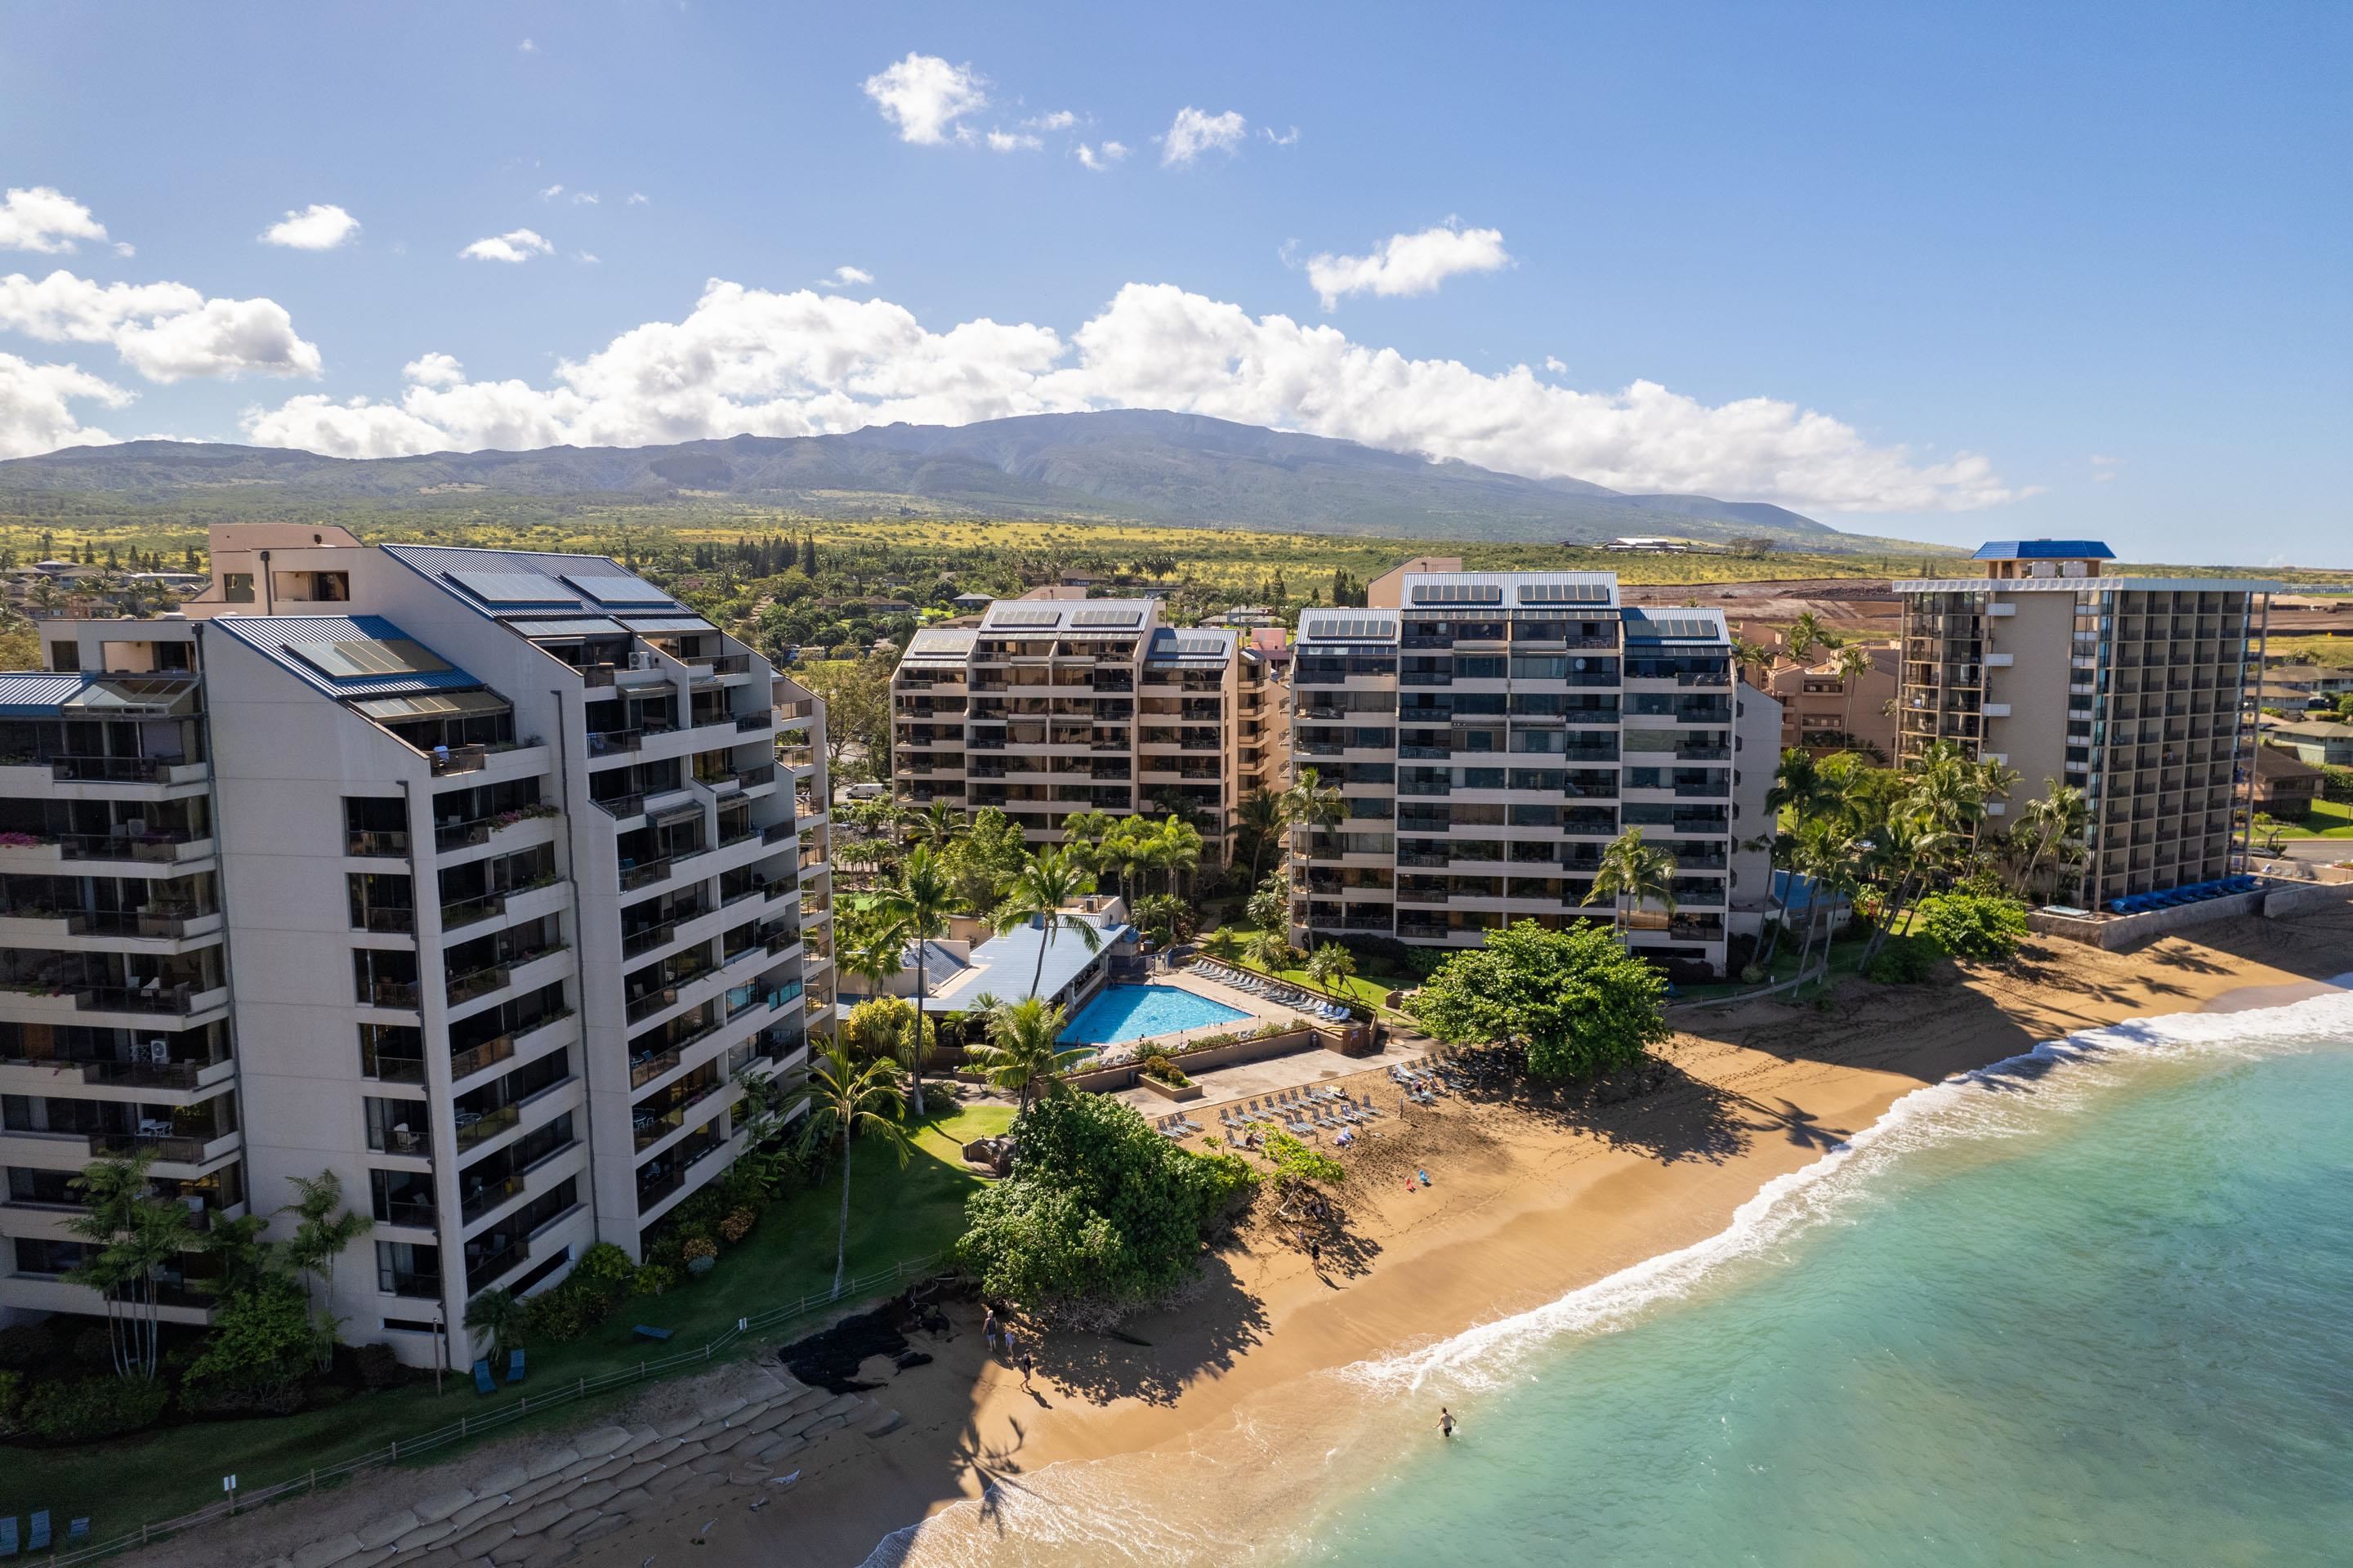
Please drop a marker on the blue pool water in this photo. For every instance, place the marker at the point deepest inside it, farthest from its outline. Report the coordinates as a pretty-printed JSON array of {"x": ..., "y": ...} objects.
[{"x": 1123, "y": 1012}]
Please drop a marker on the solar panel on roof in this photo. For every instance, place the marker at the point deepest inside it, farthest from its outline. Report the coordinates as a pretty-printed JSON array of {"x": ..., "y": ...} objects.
[
  {"x": 1675, "y": 627},
  {"x": 1353, "y": 626},
  {"x": 514, "y": 591},
  {"x": 358, "y": 659},
  {"x": 1199, "y": 645},
  {"x": 620, "y": 590},
  {"x": 1107, "y": 617},
  {"x": 1458, "y": 593},
  {"x": 1026, "y": 618},
  {"x": 1564, "y": 593}
]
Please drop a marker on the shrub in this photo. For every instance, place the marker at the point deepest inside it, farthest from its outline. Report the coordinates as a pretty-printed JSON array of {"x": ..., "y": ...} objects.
[
  {"x": 91, "y": 1348},
  {"x": 377, "y": 1366},
  {"x": 1161, "y": 1068},
  {"x": 27, "y": 1347},
  {"x": 12, "y": 1386},
  {"x": 738, "y": 1225},
  {"x": 653, "y": 1278},
  {"x": 1904, "y": 960},
  {"x": 604, "y": 1262},
  {"x": 701, "y": 1246},
  {"x": 1973, "y": 925},
  {"x": 1580, "y": 1003},
  {"x": 97, "y": 1407},
  {"x": 564, "y": 1313}
]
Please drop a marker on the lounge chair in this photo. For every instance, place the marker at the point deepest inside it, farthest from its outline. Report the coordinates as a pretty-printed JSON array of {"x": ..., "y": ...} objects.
[
  {"x": 514, "y": 1366},
  {"x": 483, "y": 1384},
  {"x": 648, "y": 1331},
  {"x": 39, "y": 1540},
  {"x": 78, "y": 1529},
  {"x": 8, "y": 1544}
]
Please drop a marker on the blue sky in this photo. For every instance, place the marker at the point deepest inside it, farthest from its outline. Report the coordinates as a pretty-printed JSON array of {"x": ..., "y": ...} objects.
[{"x": 1951, "y": 275}]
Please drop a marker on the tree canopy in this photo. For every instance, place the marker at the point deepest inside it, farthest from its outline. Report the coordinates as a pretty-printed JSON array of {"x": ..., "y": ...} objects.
[
  {"x": 1580, "y": 1003},
  {"x": 1101, "y": 1215}
]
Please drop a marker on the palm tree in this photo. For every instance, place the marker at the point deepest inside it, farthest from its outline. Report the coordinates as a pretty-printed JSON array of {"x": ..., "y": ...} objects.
[
  {"x": 1270, "y": 949},
  {"x": 493, "y": 1318},
  {"x": 919, "y": 909},
  {"x": 1331, "y": 965},
  {"x": 1753, "y": 659},
  {"x": 1257, "y": 821},
  {"x": 1023, "y": 1054},
  {"x": 321, "y": 1234},
  {"x": 1224, "y": 944},
  {"x": 2052, "y": 828},
  {"x": 135, "y": 1234},
  {"x": 1180, "y": 850},
  {"x": 846, "y": 1098},
  {"x": 1807, "y": 633},
  {"x": 1907, "y": 846},
  {"x": 939, "y": 826},
  {"x": 1853, "y": 663},
  {"x": 1309, "y": 804},
  {"x": 1267, "y": 908},
  {"x": 1829, "y": 857},
  {"x": 1803, "y": 792},
  {"x": 1633, "y": 870},
  {"x": 1047, "y": 884}
]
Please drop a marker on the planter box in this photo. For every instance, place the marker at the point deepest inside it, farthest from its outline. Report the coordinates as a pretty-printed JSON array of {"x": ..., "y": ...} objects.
[{"x": 1189, "y": 1092}]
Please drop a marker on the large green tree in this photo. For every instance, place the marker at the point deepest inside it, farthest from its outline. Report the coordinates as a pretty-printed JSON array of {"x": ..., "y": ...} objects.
[
  {"x": 1102, "y": 1215},
  {"x": 1579, "y": 1002}
]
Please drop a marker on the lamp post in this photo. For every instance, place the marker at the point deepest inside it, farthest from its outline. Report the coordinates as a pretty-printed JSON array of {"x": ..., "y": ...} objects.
[{"x": 442, "y": 1345}]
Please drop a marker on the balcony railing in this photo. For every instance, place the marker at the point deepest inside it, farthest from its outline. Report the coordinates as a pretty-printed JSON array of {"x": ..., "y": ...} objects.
[
  {"x": 449, "y": 759},
  {"x": 401, "y": 1282},
  {"x": 153, "y": 997},
  {"x": 113, "y": 769},
  {"x": 472, "y": 911},
  {"x": 477, "y": 982},
  {"x": 475, "y": 1128},
  {"x": 480, "y": 1200},
  {"x": 387, "y": 994},
  {"x": 385, "y": 845}
]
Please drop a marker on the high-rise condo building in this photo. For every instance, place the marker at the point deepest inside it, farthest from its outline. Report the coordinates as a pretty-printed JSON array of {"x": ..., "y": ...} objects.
[
  {"x": 1055, "y": 707},
  {"x": 481, "y": 879},
  {"x": 1489, "y": 733},
  {"x": 2133, "y": 690}
]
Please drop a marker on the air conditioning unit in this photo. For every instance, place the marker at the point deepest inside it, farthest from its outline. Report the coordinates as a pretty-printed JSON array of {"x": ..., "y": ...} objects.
[{"x": 642, "y": 659}]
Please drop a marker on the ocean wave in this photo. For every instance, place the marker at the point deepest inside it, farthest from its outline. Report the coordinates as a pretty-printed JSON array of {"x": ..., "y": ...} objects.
[{"x": 2007, "y": 1098}]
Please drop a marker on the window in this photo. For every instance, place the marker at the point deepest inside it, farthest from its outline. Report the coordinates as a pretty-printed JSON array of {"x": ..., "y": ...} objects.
[
  {"x": 238, "y": 587},
  {"x": 64, "y": 654}
]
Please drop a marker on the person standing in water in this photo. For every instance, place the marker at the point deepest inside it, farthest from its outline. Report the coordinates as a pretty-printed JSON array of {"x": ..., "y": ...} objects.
[{"x": 1445, "y": 1422}]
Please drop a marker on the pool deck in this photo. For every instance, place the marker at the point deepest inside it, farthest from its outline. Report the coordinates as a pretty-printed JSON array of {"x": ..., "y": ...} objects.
[
  {"x": 1258, "y": 1009},
  {"x": 1222, "y": 1086}
]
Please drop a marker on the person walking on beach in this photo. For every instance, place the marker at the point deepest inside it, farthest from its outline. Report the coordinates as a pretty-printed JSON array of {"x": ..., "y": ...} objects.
[
  {"x": 1445, "y": 1422},
  {"x": 988, "y": 1328},
  {"x": 1029, "y": 1365}
]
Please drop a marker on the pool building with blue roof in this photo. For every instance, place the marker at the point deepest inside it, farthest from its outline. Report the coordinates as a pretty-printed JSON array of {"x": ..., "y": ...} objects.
[{"x": 484, "y": 880}]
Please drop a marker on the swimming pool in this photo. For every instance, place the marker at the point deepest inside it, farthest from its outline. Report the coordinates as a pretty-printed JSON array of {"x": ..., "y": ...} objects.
[{"x": 1123, "y": 1012}]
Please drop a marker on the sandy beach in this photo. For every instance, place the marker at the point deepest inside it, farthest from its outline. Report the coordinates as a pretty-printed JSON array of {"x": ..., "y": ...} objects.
[{"x": 1204, "y": 1426}]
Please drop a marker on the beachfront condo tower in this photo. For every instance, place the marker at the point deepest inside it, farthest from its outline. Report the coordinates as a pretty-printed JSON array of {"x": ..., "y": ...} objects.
[
  {"x": 484, "y": 880},
  {"x": 2134, "y": 690},
  {"x": 1489, "y": 733},
  {"x": 1051, "y": 706}
]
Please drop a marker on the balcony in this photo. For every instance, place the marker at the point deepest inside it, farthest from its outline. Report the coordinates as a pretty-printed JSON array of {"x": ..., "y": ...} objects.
[
  {"x": 480, "y": 982},
  {"x": 481, "y": 1198},
  {"x": 388, "y": 993},
  {"x": 125, "y": 770},
  {"x": 449, "y": 759},
  {"x": 401, "y": 1282},
  {"x": 614, "y": 742},
  {"x": 377, "y": 845},
  {"x": 472, "y": 911},
  {"x": 479, "y": 1126}
]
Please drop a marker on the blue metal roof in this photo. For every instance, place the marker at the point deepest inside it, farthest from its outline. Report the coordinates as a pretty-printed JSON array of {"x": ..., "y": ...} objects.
[
  {"x": 284, "y": 640},
  {"x": 2043, "y": 550},
  {"x": 37, "y": 694}
]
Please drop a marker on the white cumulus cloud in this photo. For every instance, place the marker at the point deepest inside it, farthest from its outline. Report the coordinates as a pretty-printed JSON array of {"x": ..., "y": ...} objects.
[
  {"x": 637, "y": 198},
  {"x": 1408, "y": 263},
  {"x": 1102, "y": 158},
  {"x": 1060, "y": 119},
  {"x": 846, "y": 277},
  {"x": 1285, "y": 140},
  {"x": 924, "y": 96},
  {"x": 45, "y": 219},
  {"x": 751, "y": 361},
  {"x": 36, "y": 406},
  {"x": 551, "y": 192},
  {"x": 1194, "y": 133},
  {"x": 318, "y": 227},
  {"x": 1013, "y": 141},
  {"x": 514, "y": 245},
  {"x": 165, "y": 331}
]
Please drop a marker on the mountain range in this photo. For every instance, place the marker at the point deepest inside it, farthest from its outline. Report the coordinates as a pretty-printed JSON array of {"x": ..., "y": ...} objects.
[{"x": 1136, "y": 465}]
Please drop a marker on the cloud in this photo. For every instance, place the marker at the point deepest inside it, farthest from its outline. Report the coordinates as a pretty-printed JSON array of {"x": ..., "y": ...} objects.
[
  {"x": 1060, "y": 119},
  {"x": 749, "y": 361},
  {"x": 1192, "y": 133},
  {"x": 318, "y": 227},
  {"x": 1013, "y": 141},
  {"x": 551, "y": 192},
  {"x": 36, "y": 406},
  {"x": 1102, "y": 158},
  {"x": 514, "y": 245},
  {"x": 526, "y": 47},
  {"x": 1285, "y": 140},
  {"x": 434, "y": 370},
  {"x": 125, "y": 248},
  {"x": 846, "y": 277},
  {"x": 585, "y": 199},
  {"x": 2103, "y": 469},
  {"x": 924, "y": 96},
  {"x": 45, "y": 219},
  {"x": 637, "y": 198},
  {"x": 588, "y": 258},
  {"x": 1408, "y": 263},
  {"x": 1554, "y": 364},
  {"x": 165, "y": 331}
]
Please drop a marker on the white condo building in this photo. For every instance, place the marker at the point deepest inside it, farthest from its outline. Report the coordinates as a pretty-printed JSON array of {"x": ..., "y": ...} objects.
[
  {"x": 1491, "y": 731},
  {"x": 482, "y": 879}
]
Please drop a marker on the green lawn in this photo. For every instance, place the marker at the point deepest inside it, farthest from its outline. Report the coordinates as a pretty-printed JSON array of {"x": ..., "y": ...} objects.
[
  {"x": 895, "y": 1214},
  {"x": 2328, "y": 820}
]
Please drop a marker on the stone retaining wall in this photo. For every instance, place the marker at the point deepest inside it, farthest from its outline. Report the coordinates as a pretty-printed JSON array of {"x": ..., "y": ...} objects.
[
  {"x": 2274, "y": 901},
  {"x": 535, "y": 1511}
]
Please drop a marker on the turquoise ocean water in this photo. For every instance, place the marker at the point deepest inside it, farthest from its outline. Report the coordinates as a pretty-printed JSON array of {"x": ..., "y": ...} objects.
[{"x": 2093, "y": 1306}]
